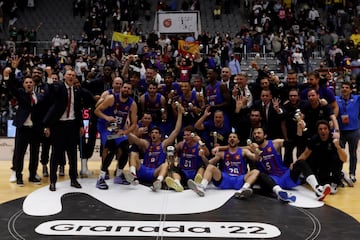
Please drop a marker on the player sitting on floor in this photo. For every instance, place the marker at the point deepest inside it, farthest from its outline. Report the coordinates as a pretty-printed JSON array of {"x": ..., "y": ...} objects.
[
  {"x": 232, "y": 174},
  {"x": 191, "y": 151},
  {"x": 276, "y": 176},
  {"x": 154, "y": 155}
]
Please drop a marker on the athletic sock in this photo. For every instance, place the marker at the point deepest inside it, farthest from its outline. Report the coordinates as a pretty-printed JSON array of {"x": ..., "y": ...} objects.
[
  {"x": 276, "y": 189},
  {"x": 204, "y": 183},
  {"x": 133, "y": 170},
  {"x": 311, "y": 179},
  {"x": 177, "y": 181},
  {"x": 246, "y": 185},
  {"x": 160, "y": 178},
  {"x": 118, "y": 172},
  {"x": 102, "y": 174}
]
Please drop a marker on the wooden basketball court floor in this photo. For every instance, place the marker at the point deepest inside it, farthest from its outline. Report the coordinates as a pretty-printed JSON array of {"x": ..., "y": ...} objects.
[{"x": 345, "y": 200}]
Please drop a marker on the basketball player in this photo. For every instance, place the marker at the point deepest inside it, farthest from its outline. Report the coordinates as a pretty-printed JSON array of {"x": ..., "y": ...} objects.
[{"x": 232, "y": 173}]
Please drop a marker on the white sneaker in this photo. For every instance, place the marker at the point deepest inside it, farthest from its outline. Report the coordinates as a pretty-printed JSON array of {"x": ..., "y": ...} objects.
[
  {"x": 38, "y": 177},
  {"x": 334, "y": 189},
  {"x": 322, "y": 191},
  {"x": 243, "y": 193},
  {"x": 353, "y": 178},
  {"x": 12, "y": 176},
  {"x": 131, "y": 177},
  {"x": 156, "y": 186},
  {"x": 286, "y": 196},
  {"x": 85, "y": 173},
  {"x": 198, "y": 188},
  {"x": 171, "y": 183},
  {"x": 347, "y": 180},
  {"x": 198, "y": 178}
]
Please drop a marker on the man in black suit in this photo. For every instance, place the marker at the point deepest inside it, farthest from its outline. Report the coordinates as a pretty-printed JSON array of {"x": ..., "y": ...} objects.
[
  {"x": 28, "y": 123},
  {"x": 64, "y": 123},
  {"x": 272, "y": 114}
]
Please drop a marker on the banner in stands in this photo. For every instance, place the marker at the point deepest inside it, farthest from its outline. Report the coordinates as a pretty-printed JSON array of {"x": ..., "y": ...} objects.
[
  {"x": 124, "y": 40},
  {"x": 178, "y": 22}
]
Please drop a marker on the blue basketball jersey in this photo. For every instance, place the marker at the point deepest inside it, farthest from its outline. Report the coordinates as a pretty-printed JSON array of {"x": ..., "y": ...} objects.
[
  {"x": 154, "y": 156},
  {"x": 233, "y": 164},
  {"x": 271, "y": 162},
  {"x": 189, "y": 157}
]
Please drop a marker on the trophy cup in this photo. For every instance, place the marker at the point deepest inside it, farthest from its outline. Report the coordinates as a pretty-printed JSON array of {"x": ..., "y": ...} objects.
[
  {"x": 162, "y": 110},
  {"x": 249, "y": 142},
  {"x": 215, "y": 137},
  {"x": 297, "y": 117}
]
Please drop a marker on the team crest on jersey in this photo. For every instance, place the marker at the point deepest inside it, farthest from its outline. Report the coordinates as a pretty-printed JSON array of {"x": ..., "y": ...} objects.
[
  {"x": 157, "y": 147},
  {"x": 227, "y": 157},
  {"x": 237, "y": 157},
  {"x": 193, "y": 150},
  {"x": 268, "y": 149},
  {"x": 126, "y": 108}
]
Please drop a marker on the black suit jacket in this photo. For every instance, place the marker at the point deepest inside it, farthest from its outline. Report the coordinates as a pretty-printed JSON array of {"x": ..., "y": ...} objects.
[
  {"x": 272, "y": 123},
  {"x": 59, "y": 104},
  {"x": 25, "y": 106}
]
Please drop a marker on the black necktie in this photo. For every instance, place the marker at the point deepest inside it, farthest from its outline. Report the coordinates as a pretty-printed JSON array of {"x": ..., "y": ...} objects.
[
  {"x": 68, "y": 103},
  {"x": 264, "y": 112}
]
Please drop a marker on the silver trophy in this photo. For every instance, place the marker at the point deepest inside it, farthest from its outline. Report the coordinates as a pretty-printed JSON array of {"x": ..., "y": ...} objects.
[
  {"x": 215, "y": 137},
  {"x": 297, "y": 117},
  {"x": 170, "y": 100},
  {"x": 249, "y": 142},
  {"x": 170, "y": 155},
  {"x": 113, "y": 128},
  {"x": 162, "y": 110}
]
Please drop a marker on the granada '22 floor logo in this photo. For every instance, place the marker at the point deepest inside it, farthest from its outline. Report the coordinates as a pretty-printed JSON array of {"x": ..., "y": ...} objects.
[{"x": 154, "y": 228}]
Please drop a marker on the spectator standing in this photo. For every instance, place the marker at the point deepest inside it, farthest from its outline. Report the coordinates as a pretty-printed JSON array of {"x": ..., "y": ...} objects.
[
  {"x": 234, "y": 65},
  {"x": 314, "y": 18},
  {"x": 335, "y": 55},
  {"x": 349, "y": 107},
  {"x": 298, "y": 60}
]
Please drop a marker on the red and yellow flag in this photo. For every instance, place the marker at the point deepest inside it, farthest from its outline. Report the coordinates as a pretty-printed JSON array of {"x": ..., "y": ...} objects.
[{"x": 185, "y": 47}]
